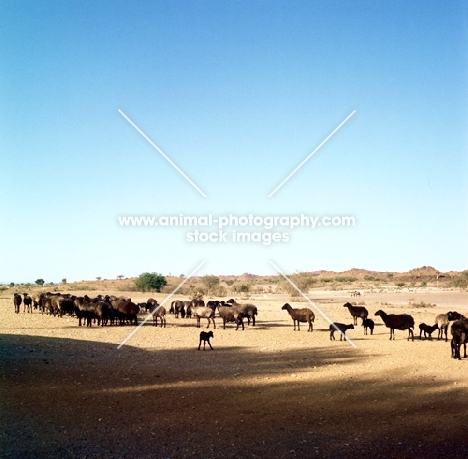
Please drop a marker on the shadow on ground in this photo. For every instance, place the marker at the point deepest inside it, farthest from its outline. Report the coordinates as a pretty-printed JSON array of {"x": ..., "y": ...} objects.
[{"x": 69, "y": 398}]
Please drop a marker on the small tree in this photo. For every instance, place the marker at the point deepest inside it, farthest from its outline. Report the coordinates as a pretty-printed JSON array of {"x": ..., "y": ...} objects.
[
  {"x": 12, "y": 284},
  {"x": 64, "y": 281},
  {"x": 120, "y": 276},
  {"x": 211, "y": 282},
  {"x": 150, "y": 281},
  {"x": 40, "y": 281},
  {"x": 98, "y": 278}
]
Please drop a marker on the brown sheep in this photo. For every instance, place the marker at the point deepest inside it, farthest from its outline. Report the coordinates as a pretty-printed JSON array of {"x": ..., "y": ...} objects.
[{"x": 300, "y": 315}]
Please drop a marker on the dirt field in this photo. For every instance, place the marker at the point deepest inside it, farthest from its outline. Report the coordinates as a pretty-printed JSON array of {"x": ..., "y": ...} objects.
[{"x": 266, "y": 392}]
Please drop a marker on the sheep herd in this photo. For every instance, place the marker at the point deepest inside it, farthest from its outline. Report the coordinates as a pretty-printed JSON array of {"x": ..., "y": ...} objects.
[{"x": 111, "y": 310}]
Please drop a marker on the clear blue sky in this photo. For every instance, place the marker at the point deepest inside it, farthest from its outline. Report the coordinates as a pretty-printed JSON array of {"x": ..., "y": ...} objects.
[{"x": 237, "y": 94}]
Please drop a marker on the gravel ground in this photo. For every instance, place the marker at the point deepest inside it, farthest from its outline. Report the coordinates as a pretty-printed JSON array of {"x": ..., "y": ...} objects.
[{"x": 266, "y": 392}]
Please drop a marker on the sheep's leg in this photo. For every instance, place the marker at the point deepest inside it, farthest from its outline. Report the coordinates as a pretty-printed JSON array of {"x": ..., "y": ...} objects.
[{"x": 210, "y": 345}]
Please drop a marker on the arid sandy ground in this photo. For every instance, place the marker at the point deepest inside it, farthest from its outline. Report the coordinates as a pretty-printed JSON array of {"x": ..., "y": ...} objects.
[{"x": 268, "y": 392}]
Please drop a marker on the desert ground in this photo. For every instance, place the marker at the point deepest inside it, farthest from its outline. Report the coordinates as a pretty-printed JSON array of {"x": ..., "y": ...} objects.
[{"x": 265, "y": 392}]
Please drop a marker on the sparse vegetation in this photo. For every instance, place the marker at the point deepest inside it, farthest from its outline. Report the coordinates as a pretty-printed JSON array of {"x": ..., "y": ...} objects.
[
  {"x": 303, "y": 281},
  {"x": 347, "y": 279},
  {"x": 422, "y": 304},
  {"x": 241, "y": 288},
  {"x": 461, "y": 280}
]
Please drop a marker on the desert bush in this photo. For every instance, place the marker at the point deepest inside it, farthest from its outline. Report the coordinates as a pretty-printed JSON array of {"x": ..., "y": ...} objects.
[
  {"x": 147, "y": 282},
  {"x": 422, "y": 304},
  {"x": 303, "y": 281},
  {"x": 241, "y": 288},
  {"x": 219, "y": 291},
  {"x": 461, "y": 280},
  {"x": 348, "y": 279}
]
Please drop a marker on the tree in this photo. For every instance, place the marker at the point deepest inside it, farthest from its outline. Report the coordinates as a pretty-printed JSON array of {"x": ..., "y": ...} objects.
[
  {"x": 150, "y": 281},
  {"x": 40, "y": 281},
  {"x": 120, "y": 276},
  {"x": 64, "y": 281},
  {"x": 211, "y": 282},
  {"x": 98, "y": 278}
]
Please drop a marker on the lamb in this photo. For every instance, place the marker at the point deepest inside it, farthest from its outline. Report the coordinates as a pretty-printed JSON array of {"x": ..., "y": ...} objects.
[
  {"x": 357, "y": 311},
  {"x": 336, "y": 326},
  {"x": 368, "y": 324},
  {"x": 230, "y": 314},
  {"x": 427, "y": 330},
  {"x": 300, "y": 315},
  {"x": 205, "y": 337},
  {"x": 204, "y": 312},
  {"x": 397, "y": 321}
]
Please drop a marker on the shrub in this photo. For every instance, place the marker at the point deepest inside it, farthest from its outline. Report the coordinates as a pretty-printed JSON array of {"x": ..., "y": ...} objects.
[
  {"x": 461, "y": 280},
  {"x": 150, "y": 281},
  {"x": 348, "y": 279},
  {"x": 422, "y": 304}
]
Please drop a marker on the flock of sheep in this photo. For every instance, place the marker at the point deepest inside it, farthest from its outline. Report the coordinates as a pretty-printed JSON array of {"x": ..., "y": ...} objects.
[{"x": 111, "y": 310}]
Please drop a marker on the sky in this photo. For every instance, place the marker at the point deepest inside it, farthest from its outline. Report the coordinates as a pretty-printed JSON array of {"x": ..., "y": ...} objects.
[{"x": 236, "y": 94}]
